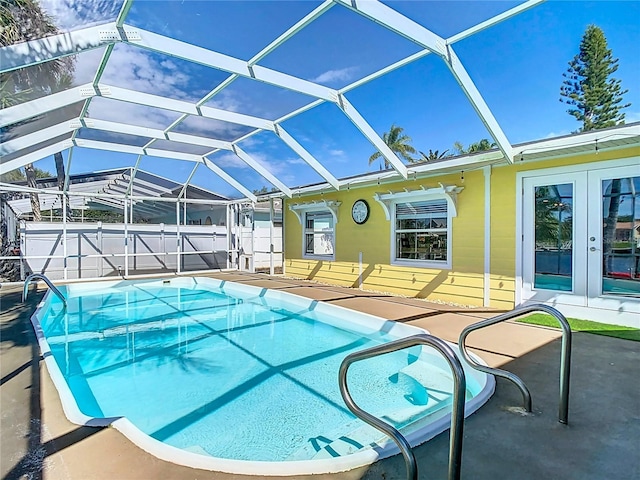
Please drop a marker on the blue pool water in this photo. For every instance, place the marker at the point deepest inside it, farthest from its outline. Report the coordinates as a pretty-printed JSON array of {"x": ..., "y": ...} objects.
[{"x": 233, "y": 373}]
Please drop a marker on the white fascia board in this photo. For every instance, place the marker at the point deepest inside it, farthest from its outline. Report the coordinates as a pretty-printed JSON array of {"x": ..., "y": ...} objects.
[
  {"x": 46, "y": 49},
  {"x": 229, "y": 179},
  {"x": 34, "y": 138},
  {"x": 238, "y": 118},
  {"x": 398, "y": 23},
  {"x": 307, "y": 157},
  {"x": 372, "y": 136},
  {"x": 36, "y": 107},
  {"x": 245, "y": 157},
  {"x": 34, "y": 156},
  {"x": 192, "y": 53},
  {"x": 109, "y": 126},
  {"x": 579, "y": 139},
  {"x": 480, "y": 106}
]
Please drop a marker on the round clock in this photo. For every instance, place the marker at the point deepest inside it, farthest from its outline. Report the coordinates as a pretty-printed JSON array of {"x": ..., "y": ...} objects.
[{"x": 360, "y": 211}]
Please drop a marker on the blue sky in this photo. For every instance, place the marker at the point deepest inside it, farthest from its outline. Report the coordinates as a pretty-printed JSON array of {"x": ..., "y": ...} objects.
[{"x": 517, "y": 66}]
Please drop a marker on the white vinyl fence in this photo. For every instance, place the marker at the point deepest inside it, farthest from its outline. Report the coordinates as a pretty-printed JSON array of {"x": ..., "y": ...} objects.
[{"x": 109, "y": 249}]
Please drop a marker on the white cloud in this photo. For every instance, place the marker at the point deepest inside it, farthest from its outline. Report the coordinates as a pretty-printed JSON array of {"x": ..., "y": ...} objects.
[
  {"x": 336, "y": 153},
  {"x": 630, "y": 117},
  {"x": 73, "y": 14},
  {"x": 560, "y": 133},
  {"x": 341, "y": 75},
  {"x": 228, "y": 160}
]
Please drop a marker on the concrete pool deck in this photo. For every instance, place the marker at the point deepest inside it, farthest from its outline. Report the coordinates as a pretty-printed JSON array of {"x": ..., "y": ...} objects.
[{"x": 602, "y": 440}]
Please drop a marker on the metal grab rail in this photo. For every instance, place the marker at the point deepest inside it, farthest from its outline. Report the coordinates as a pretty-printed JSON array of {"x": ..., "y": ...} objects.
[
  {"x": 565, "y": 359},
  {"x": 457, "y": 413},
  {"x": 54, "y": 289}
]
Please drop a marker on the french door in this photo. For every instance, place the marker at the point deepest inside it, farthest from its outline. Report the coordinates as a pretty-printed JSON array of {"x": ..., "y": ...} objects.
[{"x": 581, "y": 238}]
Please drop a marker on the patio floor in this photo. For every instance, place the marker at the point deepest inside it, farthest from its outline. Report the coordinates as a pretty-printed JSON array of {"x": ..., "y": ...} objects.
[{"x": 602, "y": 440}]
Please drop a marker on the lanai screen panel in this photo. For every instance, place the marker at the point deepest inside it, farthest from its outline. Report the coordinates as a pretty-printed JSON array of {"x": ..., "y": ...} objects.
[{"x": 268, "y": 70}]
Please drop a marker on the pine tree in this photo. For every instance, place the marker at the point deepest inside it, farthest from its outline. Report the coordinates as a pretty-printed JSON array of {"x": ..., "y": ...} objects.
[{"x": 594, "y": 96}]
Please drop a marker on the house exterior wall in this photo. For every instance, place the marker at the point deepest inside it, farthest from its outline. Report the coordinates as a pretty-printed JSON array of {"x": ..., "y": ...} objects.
[{"x": 463, "y": 283}]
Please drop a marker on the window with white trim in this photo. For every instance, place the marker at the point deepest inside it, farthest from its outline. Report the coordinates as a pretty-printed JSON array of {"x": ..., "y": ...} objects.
[
  {"x": 319, "y": 234},
  {"x": 421, "y": 231}
]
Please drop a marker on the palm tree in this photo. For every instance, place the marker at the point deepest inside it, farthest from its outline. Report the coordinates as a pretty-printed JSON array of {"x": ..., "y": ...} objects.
[
  {"x": 21, "y": 21},
  {"x": 433, "y": 155},
  {"x": 479, "y": 146},
  {"x": 398, "y": 143}
]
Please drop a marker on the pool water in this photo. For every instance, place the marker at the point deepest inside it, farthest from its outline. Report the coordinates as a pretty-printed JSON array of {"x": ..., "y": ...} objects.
[{"x": 231, "y": 372}]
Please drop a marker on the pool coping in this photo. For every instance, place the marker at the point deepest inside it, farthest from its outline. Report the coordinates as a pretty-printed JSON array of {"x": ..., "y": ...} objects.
[{"x": 179, "y": 456}]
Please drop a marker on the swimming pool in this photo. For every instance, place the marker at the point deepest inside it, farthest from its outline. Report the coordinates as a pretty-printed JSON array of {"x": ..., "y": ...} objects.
[{"x": 234, "y": 378}]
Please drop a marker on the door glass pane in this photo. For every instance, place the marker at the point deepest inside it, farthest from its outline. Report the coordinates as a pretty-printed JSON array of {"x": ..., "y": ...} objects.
[
  {"x": 554, "y": 237},
  {"x": 621, "y": 236}
]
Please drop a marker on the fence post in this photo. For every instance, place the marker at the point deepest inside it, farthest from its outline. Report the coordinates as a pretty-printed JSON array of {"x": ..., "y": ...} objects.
[
  {"x": 23, "y": 246},
  {"x": 100, "y": 249}
]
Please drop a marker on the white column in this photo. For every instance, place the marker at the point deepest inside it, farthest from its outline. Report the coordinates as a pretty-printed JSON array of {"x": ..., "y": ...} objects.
[
  {"x": 228, "y": 223},
  {"x": 64, "y": 235},
  {"x": 178, "y": 246},
  {"x": 271, "y": 269},
  {"x": 126, "y": 237},
  {"x": 487, "y": 236}
]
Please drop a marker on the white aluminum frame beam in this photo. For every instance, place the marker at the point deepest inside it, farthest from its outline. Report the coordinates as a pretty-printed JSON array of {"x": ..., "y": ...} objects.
[
  {"x": 229, "y": 179},
  {"x": 478, "y": 103},
  {"x": 306, "y": 156},
  {"x": 45, "y": 49},
  {"x": 366, "y": 129},
  {"x": 34, "y": 156},
  {"x": 185, "y": 51},
  {"x": 39, "y": 136},
  {"x": 33, "y": 108},
  {"x": 244, "y": 156},
  {"x": 398, "y": 23}
]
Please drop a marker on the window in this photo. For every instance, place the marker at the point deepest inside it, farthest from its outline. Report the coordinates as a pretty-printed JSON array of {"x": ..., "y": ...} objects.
[
  {"x": 318, "y": 234},
  {"x": 421, "y": 232}
]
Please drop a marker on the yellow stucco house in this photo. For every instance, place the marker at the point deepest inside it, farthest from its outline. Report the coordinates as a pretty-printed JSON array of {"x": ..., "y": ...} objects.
[{"x": 479, "y": 231}]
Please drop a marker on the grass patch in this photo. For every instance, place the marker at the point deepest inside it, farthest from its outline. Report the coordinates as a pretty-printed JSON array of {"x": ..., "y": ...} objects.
[{"x": 597, "y": 328}]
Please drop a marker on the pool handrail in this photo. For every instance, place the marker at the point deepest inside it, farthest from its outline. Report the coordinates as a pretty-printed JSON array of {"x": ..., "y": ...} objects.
[
  {"x": 565, "y": 358},
  {"x": 52, "y": 287},
  {"x": 457, "y": 413}
]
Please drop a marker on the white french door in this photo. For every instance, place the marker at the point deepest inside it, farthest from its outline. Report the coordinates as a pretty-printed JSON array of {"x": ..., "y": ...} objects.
[
  {"x": 581, "y": 240},
  {"x": 554, "y": 239}
]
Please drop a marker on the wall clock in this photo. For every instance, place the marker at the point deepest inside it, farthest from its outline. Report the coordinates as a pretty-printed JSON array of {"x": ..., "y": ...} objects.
[{"x": 360, "y": 211}]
